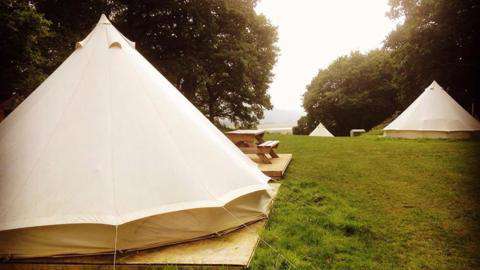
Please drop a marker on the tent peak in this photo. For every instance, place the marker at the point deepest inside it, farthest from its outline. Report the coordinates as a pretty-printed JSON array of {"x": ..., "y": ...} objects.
[
  {"x": 104, "y": 19},
  {"x": 434, "y": 85},
  {"x": 115, "y": 39}
]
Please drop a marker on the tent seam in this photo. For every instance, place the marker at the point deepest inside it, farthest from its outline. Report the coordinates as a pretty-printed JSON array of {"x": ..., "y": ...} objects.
[
  {"x": 110, "y": 135},
  {"x": 148, "y": 97},
  {"x": 110, "y": 128}
]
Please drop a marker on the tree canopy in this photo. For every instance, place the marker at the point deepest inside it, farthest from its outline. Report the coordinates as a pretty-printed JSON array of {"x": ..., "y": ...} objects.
[
  {"x": 218, "y": 53},
  {"x": 354, "y": 91},
  {"x": 438, "y": 40},
  {"x": 23, "y": 31}
]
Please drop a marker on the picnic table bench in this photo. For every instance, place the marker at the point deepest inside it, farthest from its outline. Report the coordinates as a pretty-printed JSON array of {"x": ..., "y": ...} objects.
[{"x": 251, "y": 142}]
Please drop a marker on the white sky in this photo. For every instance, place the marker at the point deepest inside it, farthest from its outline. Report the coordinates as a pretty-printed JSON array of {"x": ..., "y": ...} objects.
[{"x": 313, "y": 33}]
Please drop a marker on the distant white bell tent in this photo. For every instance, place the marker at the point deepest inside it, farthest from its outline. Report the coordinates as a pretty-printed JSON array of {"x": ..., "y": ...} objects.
[
  {"x": 321, "y": 131},
  {"x": 434, "y": 114},
  {"x": 107, "y": 155}
]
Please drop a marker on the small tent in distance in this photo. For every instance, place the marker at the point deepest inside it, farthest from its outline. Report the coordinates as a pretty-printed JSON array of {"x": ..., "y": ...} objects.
[
  {"x": 434, "y": 114},
  {"x": 321, "y": 131}
]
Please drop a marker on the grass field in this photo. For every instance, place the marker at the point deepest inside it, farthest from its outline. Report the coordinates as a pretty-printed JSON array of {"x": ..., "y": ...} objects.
[{"x": 375, "y": 203}]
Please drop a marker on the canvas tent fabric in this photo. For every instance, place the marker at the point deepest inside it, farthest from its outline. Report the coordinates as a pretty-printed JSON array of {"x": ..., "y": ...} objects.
[
  {"x": 321, "y": 131},
  {"x": 434, "y": 114},
  {"x": 106, "y": 154}
]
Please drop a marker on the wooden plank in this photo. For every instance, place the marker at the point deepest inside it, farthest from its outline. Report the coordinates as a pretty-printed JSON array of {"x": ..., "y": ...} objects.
[
  {"x": 254, "y": 132},
  {"x": 233, "y": 251},
  {"x": 255, "y": 150},
  {"x": 278, "y": 166},
  {"x": 263, "y": 159},
  {"x": 40, "y": 266},
  {"x": 269, "y": 144}
]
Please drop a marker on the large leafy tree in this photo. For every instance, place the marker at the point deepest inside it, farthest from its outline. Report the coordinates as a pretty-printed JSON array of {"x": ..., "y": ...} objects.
[
  {"x": 355, "y": 91},
  {"x": 219, "y": 54},
  {"x": 22, "y": 31},
  {"x": 439, "y": 40},
  {"x": 71, "y": 21}
]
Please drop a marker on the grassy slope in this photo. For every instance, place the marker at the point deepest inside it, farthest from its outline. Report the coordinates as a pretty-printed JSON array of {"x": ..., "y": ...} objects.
[{"x": 375, "y": 203}]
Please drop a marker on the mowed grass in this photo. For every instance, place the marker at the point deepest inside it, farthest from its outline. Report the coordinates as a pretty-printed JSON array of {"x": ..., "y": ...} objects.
[{"x": 375, "y": 203}]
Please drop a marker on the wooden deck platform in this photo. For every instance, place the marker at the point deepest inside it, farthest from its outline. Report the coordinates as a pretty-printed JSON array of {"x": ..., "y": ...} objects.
[
  {"x": 231, "y": 251},
  {"x": 277, "y": 168}
]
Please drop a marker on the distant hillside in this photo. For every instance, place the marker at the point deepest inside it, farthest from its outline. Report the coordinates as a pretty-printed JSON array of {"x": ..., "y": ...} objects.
[
  {"x": 281, "y": 118},
  {"x": 280, "y": 121}
]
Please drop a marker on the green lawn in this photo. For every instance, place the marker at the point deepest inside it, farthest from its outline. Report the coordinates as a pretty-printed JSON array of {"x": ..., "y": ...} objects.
[{"x": 375, "y": 203}]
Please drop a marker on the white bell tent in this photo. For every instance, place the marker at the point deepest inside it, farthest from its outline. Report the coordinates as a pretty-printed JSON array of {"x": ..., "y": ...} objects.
[
  {"x": 107, "y": 155},
  {"x": 321, "y": 131},
  {"x": 434, "y": 114}
]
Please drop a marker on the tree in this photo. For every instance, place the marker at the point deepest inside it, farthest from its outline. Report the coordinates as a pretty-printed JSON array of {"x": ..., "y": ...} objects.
[
  {"x": 22, "y": 31},
  {"x": 71, "y": 21},
  {"x": 438, "y": 40},
  {"x": 305, "y": 125},
  {"x": 355, "y": 91},
  {"x": 218, "y": 53}
]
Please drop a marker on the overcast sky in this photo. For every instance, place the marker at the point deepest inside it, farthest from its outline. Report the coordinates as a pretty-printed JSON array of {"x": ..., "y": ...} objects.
[{"x": 313, "y": 33}]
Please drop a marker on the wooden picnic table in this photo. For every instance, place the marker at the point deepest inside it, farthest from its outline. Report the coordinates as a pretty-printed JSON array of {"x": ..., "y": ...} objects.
[
  {"x": 251, "y": 141},
  {"x": 246, "y": 137}
]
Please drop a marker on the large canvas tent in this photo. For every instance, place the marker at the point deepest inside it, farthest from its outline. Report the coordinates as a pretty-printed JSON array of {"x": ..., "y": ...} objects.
[
  {"x": 434, "y": 114},
  {"x": 321, "y": 131},
  {"x": 107, "y": 155}
]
